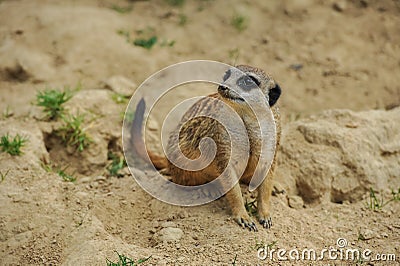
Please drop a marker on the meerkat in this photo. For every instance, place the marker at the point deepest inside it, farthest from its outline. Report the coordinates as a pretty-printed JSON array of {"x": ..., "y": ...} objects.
[{"x": 193, "y": 127}]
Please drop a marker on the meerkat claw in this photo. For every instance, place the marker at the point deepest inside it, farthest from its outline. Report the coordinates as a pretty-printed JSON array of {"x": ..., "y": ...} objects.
[
  {"x": 266, "y": 223},
  {"x": 246, "y": 224},
  {"x": 253, "y": 227}
]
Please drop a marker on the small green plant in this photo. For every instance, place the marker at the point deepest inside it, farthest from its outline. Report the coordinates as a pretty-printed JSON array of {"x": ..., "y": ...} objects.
[
  {"x": 234, "y": 55},
  {"x": 126, "y": 261},
  {"x": 374, "y": 203},
  {"x": 182, "y": 19},
  {"x": 125, "y": 33},
  {"x": 146, "y": 38},
  {"x": 395, "y": 195},
  {"x": 166, "y": 43},
  {"x": 122, "y": 10},
  {"x": 234, "y": 260},
  {"x": 3, "y": 176},
  {"x": 239, "y": 22},
  {"x": 117, "y": 164},
  {"x": 48, "y": 167},
  {"x": 12, "y": 145},
  {"x": 66, "y": 177},
  {"x": 147, "y": 43},
  {"x": 262, "y": 244},
  {"x": 119, "y": 98},
  {"x": 7, "y": 112},
  {"x": 360, "y": 236},
  {"x": 259, "y": 244},
  {"x": 272, "y": 244},
  {"x": 127, "y": 117},
  {"x": 202, "y": 4},
  {"x": 146, "y": 31},
  {"x": 52, "y": 102},
  {"x": 251, "y": 207},
  {"x": 175, "y": 2},
  {"x": 72, "y": 132}
]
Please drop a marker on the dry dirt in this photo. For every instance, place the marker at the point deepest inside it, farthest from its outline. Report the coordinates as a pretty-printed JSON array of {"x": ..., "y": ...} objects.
[{"x": 324, "y": 54}]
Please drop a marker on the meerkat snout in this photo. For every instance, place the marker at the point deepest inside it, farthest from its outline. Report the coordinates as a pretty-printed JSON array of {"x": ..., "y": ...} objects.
[{"x": 222, "y": 88}]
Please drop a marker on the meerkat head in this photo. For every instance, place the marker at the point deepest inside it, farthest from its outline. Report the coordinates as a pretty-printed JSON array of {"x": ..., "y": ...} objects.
[{"x": 237, "y": 82}]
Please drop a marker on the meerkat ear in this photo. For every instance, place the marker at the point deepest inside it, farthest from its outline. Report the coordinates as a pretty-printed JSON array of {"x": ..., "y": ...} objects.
[{"x": 274, "y": 95}]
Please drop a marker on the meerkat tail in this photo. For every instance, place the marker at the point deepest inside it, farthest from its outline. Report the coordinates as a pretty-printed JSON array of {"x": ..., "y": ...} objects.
[{"x": 137, "y": 140}]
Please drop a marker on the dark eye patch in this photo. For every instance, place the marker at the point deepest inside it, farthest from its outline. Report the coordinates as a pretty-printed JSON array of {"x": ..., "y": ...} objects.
[
  {"x": 246, "y": 82},
  {"x": 227, "y": 75}
]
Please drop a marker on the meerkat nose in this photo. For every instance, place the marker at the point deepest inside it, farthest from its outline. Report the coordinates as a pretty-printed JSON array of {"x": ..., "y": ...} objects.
[{"x": 222, "y": 88}]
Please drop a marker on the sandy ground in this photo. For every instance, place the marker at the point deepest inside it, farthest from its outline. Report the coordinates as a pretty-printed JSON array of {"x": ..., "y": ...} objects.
[{"x": 324, "y": 54}]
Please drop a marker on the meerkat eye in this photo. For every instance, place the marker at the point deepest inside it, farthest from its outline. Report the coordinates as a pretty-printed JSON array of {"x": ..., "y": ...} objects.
[
  {"x": 256, "y": 81},
  {"x": 227, "y": 75}
]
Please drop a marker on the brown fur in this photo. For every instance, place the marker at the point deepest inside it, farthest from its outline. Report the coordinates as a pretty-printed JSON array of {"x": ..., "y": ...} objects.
[{"x": 193, "y": 129}]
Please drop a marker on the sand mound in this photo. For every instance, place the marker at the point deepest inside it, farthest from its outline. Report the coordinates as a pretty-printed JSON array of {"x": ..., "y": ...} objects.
[{"x": 339, "y": 155}]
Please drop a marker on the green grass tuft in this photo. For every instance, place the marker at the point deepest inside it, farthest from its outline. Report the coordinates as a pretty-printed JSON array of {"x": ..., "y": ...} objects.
[
  {"x": 127, "y": 117},
  {"x": 119, "y": 98},
  {"x": 66, "y": 177},
  {"x": 395, "y": 195},
  {"x": 146, "y": 43},
  {"x": 125, "y": 34},
  {"x": 12, "y": 146},
  {"x": 251, "y": 207},
  {"x": 7, "y": 113},
  {"x": 375, "y": 204},
  {"x": 52, "y": 102},
  {"x": 122, "y": 10},
  {"x": 3, "y": 176},
  {"x": 272, "y": 244},
  {"x": 261, "y": 244},
  {"x": 182, "y": 19},
  {"x": 167, "y": 43},
  {"x": 72, "y": 132},
  {"x": 361, "y": 237},
  {"x": 48, "y": 167},
  {"x": 239, "y": 22},
  {"x": 126, "y": 261},
  {"x": 234, "y": 55},
  {"x": 234, "y": 260},
  {"x": 117, "y": 164},
  {"x": 145, "y": 38},
  {"x": 176, "y": 2}
]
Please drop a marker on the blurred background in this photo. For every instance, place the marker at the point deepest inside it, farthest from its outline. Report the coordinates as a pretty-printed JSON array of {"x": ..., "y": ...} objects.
[{"x": 325, "y": 54}]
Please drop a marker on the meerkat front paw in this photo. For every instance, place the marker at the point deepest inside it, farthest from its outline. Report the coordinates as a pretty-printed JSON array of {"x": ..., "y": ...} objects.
[
  {"x": 266, "y": 222},
  {"x": 245, "y": 222}
]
